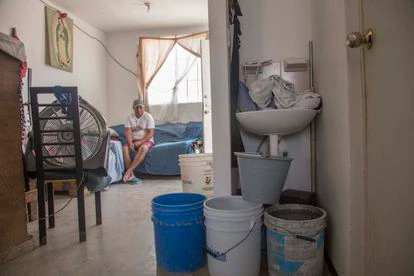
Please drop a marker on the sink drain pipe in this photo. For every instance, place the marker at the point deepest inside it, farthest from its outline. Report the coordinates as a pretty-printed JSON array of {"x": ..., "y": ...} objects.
[{"x": 313, "y": 124}]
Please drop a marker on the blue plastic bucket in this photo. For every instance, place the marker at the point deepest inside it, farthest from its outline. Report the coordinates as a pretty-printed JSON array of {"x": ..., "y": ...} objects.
[{"x": 179, "y": 232}]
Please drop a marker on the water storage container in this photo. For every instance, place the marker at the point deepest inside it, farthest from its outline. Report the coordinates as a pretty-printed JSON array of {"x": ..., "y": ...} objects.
[
  {"x": 262, "y": 178},
  {"x": 179, "y": 232},
  {"x": 233, "y": 228},
  {"x": 295, "y": 239},
  {"x": 197, "y": 173}
]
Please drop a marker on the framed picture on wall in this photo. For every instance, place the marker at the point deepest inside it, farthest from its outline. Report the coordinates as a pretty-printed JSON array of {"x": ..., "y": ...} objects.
[{"x": 59, "y": 40}]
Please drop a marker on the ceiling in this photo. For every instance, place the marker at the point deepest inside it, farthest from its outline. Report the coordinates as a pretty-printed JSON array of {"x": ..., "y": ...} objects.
[{"x": 122, "y": 15}]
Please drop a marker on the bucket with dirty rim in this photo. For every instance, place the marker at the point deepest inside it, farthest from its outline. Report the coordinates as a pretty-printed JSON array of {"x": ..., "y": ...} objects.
[
  {"x": 179, "y": 232},
  {"x": 197, "y": 173},
  {"x": 295, "y": 239},
  {"x": 233, "y": 234}
]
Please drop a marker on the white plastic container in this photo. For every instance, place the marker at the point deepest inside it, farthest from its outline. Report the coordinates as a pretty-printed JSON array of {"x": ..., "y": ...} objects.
[
  {"x": 233, "y": 235},
  {"x": 197, "y": 173},
  {"x": 295, "y": 239}
]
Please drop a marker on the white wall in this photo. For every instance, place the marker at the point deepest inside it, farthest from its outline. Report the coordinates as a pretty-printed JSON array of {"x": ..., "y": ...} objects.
[
  {"x": 275, "y": 29},
  {"x": 333, "y": 131},
  {"x": 220, "y": 96},
  {"x": 188, "y": 112},
  {"x": 279, "y": 29},
  {"x": 89, "y": 67},
  {"x": 122, "y": 86}
]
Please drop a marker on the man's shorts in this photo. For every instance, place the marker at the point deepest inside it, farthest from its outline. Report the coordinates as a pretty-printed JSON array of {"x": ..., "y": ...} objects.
[
  {"x": 149, "y": 144},
  {"x": 132, "y": 153}
]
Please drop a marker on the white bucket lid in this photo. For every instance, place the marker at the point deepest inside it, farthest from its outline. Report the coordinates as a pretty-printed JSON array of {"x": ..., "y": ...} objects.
[
  {"x": 232, "y": 207},
  {"x": 196, "y": 157}
]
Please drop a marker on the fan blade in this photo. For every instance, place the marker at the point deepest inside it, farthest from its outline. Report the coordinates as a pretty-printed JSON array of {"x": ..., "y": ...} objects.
[
  {"x": 91, "y": 134},
  {"x": 57, "y": 115}
]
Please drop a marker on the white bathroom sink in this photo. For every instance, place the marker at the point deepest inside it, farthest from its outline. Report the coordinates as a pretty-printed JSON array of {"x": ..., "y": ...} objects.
[{"x": 276, "y": 121}]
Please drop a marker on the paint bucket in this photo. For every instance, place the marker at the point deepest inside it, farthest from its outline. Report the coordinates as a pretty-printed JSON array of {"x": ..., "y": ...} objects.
[
  {"x": 233, "y": 233},
  {"x": 295, "y": 239},
  {"x": 179, "y": 232},
  {"x": 197, "y": 173},
  {"x": 262, "y": 178}
]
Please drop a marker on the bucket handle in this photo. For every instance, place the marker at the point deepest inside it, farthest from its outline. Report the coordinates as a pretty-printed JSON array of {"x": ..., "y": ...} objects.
[
  {"x": 267, "y": 154},
  {"x": 221, "y": 256},
  {"x": 301, "y": 237}
]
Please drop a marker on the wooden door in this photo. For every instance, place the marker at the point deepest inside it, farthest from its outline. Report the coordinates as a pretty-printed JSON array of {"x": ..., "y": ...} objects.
[{"x": 389, "y": 83}]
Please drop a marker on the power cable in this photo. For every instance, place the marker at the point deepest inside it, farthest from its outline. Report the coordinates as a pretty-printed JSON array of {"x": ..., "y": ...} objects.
[
  {"x": 99, "y": 41},
  {"x": 67, "y": 203}
]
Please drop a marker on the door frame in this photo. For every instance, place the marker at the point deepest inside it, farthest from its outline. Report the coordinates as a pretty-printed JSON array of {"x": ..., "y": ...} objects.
[
  {"x": 358, "y": 141},
  {"x": 218, "y": 19}
]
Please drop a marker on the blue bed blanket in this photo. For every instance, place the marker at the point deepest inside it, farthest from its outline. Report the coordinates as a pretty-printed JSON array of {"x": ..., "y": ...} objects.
[{"x": 171, "y": 140}]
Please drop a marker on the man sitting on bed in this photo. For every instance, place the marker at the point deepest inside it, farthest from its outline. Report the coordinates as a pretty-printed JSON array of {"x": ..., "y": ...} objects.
[{"x": 139, "y": 132}]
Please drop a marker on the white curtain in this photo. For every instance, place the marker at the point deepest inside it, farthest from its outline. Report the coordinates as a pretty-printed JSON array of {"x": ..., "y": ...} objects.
[
  {"x": 169, "y": 110},
  {"x": 152, "y": 53},
  {"x": 151, "y": 57}
]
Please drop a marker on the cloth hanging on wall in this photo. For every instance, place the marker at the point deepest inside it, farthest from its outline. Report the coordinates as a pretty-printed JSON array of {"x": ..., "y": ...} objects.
[{"x": 236, "y": 141}]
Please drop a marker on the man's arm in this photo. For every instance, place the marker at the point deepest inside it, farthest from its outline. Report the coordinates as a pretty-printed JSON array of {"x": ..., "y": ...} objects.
[
  {"x": 128, "y": 135},
  {"x": 149, "y": 134},
  {"x": 149, "y": 131}
]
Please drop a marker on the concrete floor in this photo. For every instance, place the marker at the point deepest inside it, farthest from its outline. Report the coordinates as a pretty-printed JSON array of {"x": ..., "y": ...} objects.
[{"x": 122, "y": 245}]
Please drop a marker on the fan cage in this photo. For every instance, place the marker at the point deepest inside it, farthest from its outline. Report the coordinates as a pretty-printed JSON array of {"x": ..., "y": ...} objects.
[{"x": 92, "y": 127}]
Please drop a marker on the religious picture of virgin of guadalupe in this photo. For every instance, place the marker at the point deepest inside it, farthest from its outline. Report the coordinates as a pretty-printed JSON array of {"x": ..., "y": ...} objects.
[{"x": 59, "y": 40}]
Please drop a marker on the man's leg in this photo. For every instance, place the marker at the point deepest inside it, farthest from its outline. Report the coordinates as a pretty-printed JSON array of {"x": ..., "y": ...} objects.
[
  {"x": 142, "y": 151},
  {"x": 127, "y": 156}
]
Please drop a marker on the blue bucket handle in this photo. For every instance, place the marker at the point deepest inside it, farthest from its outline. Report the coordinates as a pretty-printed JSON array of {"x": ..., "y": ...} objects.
[{"x": 221, "y": 256}]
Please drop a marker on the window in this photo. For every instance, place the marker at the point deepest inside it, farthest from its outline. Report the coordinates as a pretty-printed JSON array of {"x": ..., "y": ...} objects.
[{"x": 189, "y": 89}]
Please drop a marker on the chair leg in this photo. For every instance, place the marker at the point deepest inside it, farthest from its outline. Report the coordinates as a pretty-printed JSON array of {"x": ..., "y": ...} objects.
[
  {"x": 50, "y": 205},
  {"x": 98, "y": 209},
  {"x": 81, "y": 213},
  {"x": 42, "y": 212}
]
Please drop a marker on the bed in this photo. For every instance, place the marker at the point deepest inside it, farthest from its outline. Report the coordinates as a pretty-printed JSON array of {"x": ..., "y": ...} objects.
[{"x": 171, "y": 140}]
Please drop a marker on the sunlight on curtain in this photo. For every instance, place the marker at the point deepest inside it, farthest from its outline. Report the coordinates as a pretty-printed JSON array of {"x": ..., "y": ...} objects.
[
  {"x": 192, "y": 43},
  {"x": 153, "y": 53},
  {"x": 168, "y": 89}
]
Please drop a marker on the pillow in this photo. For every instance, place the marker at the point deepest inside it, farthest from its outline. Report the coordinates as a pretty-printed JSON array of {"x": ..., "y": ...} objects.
[
  {"x": 119, "y": 129},
  {"x": 113, "y": 133}
]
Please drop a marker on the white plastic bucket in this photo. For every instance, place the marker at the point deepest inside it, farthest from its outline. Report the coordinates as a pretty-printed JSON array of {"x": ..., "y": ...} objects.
[
  {"x": 197, "y": 173},
  {"x": 295, "y": 239},
  {"x": 233, "y": 235}
]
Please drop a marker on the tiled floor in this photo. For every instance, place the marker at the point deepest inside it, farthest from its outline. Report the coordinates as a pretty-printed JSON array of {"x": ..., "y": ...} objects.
[{"x": 122, "y": 245}]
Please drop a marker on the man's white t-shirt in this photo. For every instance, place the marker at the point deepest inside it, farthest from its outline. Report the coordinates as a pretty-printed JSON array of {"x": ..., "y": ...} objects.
[{"x": 140, "y": 125}]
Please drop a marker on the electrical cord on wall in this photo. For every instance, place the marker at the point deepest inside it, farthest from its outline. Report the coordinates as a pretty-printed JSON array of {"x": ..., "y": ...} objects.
[
  {"x": 99, "y": 41},
  {"x": 67, "y": 203}
]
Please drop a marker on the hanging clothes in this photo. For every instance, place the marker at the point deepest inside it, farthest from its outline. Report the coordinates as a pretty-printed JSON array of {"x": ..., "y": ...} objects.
[{"x": 236, "y": 141}]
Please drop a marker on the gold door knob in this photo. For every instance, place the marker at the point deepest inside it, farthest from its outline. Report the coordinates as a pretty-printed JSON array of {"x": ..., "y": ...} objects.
[{"x": 356, "y": 39}]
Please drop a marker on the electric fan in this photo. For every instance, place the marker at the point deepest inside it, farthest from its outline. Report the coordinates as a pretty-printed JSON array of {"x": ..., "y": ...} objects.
[{"x": 94, "y": 135}]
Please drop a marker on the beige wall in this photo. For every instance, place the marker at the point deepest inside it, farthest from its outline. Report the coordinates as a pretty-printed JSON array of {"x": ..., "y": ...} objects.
[
  {"x": 333, "y": 128},
  {"x": 276, "y": 29},
  {"x": 89, "y": 58}
]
